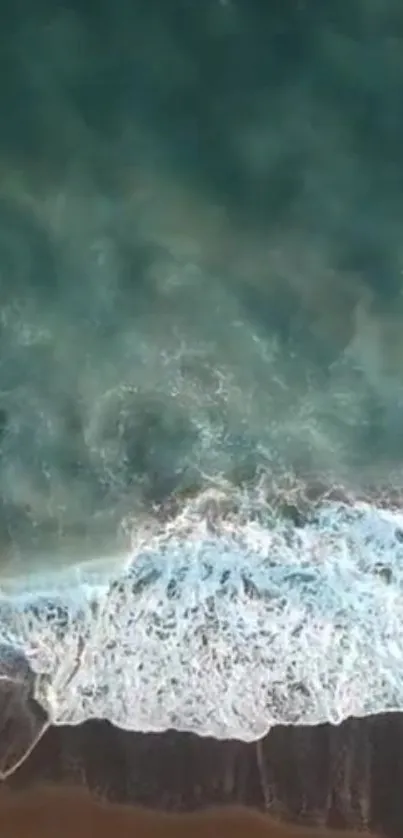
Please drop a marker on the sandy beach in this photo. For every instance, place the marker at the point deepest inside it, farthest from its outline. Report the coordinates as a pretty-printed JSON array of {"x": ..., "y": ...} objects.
[{"x": 75, "y": 813}]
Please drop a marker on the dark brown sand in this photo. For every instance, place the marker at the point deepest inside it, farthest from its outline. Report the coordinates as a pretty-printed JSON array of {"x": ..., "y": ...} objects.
[{"x": 57, "y": 812}]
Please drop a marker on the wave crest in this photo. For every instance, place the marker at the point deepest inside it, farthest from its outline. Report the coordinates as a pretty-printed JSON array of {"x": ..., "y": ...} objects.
[{"x": 225, "y": 624}]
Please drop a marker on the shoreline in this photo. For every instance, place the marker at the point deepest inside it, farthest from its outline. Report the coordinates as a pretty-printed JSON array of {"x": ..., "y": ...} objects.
[
  {"x": 66, "y": 811},
  {"x": 344, "y": 777}
]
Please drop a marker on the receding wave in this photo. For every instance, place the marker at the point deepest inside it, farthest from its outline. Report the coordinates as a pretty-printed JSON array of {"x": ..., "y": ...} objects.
[{"x": 227, "y": 617}]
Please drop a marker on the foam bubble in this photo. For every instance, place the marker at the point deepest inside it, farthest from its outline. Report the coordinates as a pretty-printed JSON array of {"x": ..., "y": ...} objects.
[{"x": 226, "y": 630}]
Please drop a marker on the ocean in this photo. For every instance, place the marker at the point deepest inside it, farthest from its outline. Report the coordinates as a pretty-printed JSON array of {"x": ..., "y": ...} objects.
[{"x": 201, "y": 341}]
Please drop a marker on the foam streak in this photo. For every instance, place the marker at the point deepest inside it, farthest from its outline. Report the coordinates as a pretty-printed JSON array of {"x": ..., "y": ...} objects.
[{"x": 228, "y": 633}]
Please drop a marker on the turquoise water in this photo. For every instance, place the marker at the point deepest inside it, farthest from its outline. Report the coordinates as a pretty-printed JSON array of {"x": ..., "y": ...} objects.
[{"x": 200, "y": 260}]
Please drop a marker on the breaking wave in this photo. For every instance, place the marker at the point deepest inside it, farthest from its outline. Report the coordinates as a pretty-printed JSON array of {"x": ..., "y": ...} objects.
[{"x": 229, "y": 616}]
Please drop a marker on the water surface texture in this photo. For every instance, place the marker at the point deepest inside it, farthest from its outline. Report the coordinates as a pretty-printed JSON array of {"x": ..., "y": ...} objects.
[
  {"x": 201, "y": 328},
  {"x": 225, "y": 633}
]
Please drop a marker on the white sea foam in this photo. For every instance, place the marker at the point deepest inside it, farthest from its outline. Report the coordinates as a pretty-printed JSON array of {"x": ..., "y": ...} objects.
[{"x": 228, "y": 630}]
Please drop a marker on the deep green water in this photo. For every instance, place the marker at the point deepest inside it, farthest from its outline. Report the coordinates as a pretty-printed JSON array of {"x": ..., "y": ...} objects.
[{"x": 201, "y": 209}]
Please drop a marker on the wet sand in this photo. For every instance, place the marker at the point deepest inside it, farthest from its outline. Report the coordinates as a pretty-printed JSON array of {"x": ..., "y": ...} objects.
[{"x": 45, "y": 812}]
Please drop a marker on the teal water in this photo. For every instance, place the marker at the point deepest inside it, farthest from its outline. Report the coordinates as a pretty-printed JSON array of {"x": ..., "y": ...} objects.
[
  {"x": 201, "y": 385},
  {"x": 200, "y": 259}
]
